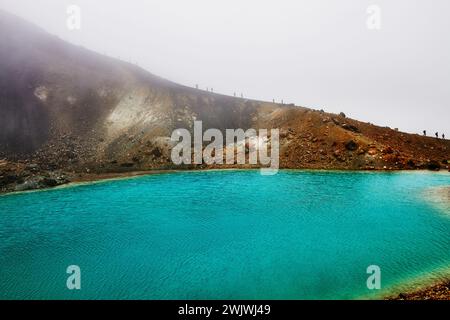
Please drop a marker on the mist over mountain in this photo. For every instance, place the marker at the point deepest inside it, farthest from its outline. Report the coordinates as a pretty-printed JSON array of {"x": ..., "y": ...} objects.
[{"x": 67, "y": 108}]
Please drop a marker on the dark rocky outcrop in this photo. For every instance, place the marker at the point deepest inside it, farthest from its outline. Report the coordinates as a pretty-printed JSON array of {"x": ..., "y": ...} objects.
[
  {"x": 351, "y": 145},
  {"x": 350, "y": 127},
  {"x": 434, "y": 166}
]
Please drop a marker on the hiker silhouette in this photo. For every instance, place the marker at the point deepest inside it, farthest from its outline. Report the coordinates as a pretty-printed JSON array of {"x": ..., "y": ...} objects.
[
  {"x": 437, "y": 135},
  {"x": 424, "y": 132},
  {"x": 443, "y": 136}
]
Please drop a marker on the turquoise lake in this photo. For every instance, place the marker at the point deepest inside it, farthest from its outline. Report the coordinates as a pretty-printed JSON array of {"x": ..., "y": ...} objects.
[{"x": 226, "y": 235}]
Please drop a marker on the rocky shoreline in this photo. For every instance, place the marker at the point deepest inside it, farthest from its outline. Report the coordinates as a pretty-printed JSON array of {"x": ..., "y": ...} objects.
[
  {"x": 438, "y": 291},
  {"x": 27, "y": 176},
  {"x": 18, "y": 177},
  {"x": 22, "y": 176}
]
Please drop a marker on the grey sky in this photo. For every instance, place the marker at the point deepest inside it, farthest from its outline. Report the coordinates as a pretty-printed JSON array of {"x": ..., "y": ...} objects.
[{"x": 315, "y": 53}]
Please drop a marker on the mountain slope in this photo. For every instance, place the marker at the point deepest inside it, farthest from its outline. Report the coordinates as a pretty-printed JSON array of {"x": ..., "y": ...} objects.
[
  {"x": 67, "y": 108},
  {"x": 52, "y": 90}
]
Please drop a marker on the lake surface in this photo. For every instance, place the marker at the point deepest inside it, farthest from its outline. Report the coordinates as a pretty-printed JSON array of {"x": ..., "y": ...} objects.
[{"x": 225, "y": 235}]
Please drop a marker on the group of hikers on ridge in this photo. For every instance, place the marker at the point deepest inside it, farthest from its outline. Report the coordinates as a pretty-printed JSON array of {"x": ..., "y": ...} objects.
[{"x": 436, "y": 134}]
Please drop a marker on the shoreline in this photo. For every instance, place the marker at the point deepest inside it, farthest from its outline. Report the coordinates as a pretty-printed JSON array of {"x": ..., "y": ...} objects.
[
  {"x": 86, "y": 178},
  {"x": 433, "y": 285},
  {"x": 437, "y": 291},
  {"x": 429, "y": 285}
]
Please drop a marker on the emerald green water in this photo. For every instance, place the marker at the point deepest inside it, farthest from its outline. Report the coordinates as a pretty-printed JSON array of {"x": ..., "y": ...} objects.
[{"x": 224, "y": 235}]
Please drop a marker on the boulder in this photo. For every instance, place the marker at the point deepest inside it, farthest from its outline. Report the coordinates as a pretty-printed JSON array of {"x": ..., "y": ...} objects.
[
  {"x": 9, "y": 179},
  {"x": 156, "y": 152},
  {"x": 28, "y": 185},
  {"x": 433, "y": 166},
  {"x": 388, "y": 150},
  {"x": 350, "y": 127},
  {"x": 127, "y": 165},
  {"x": 49, "y": 182},
  {"x": 351, "y": 145}
]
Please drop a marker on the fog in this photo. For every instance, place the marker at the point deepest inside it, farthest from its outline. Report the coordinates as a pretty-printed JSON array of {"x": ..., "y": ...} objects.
[{"x": 317, "y": 53}]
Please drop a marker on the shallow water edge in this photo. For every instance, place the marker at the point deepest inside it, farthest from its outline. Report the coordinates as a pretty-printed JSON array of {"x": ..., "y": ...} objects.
[{"x": 87, "y": 179}]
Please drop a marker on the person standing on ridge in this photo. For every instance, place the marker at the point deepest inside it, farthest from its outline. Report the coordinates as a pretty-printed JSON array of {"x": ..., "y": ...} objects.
[
  {"x": 443, "y": 136},
  {"x": 425, "y": 133},
  {"x": 437, "y": 135}
]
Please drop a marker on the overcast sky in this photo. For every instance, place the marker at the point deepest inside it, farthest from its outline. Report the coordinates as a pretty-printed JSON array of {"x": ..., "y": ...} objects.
[{"x": 315, "y": 53}]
